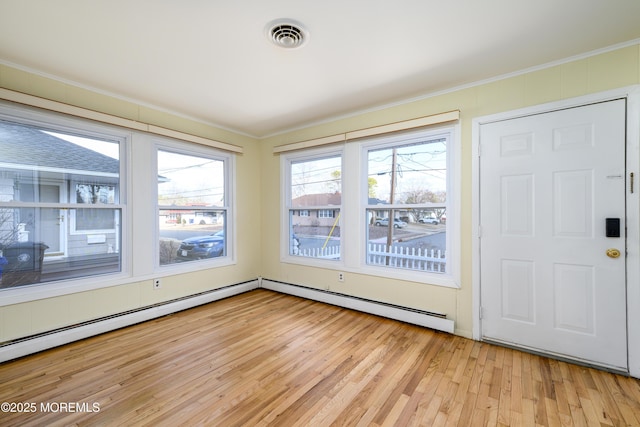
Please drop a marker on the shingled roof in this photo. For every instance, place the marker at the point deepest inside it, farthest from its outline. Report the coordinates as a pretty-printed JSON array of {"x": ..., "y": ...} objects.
[
  {"x": 26, "y": 145},
  {"x": 320, "y": 199}
]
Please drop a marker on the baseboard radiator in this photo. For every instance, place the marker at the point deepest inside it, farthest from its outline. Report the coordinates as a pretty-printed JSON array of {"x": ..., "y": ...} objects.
[
  {"x": 427, "y": 319},
  {"x": 33, "y": 344}
]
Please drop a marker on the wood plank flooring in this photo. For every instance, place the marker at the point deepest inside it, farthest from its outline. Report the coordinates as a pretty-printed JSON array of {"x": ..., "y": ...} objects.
[{"x": 268, "y": 359}]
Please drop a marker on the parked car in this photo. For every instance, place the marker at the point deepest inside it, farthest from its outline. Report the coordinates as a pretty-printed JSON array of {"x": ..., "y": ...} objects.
[
  {"x": 202, "y": 247},
  {"x": 384, "y": 222},
  {"x": 429, "y": 220}
]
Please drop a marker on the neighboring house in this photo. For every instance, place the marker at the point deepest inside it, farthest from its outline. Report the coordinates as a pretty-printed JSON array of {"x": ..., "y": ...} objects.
[
  {"x": 190, "y": 217},
  {"x": 383, "y": 213},
  {"x": 322, "y": 209},
  {"x": 43, "y": 171}
]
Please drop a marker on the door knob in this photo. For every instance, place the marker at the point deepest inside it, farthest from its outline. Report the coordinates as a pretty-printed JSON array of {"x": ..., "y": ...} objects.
[{"x": 613, "y": 253}]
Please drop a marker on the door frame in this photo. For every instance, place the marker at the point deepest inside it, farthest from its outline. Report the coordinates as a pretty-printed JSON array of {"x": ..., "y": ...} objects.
[{"x": 632, "y": 95}]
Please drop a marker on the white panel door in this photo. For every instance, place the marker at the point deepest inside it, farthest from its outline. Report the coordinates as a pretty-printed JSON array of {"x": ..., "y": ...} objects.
[{"x": 548, "y": 183}]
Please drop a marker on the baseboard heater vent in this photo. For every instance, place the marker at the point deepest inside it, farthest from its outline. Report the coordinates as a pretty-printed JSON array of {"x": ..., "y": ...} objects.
[
  {"x": 32, "y": 344},
  {"x": 427, "y": 319},
  {"x": 14, "y": 349}
]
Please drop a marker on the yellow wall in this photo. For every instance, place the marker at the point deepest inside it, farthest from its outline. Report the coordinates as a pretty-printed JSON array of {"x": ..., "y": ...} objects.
[
  {"x": 258, "y": 211},
  {"x": 599, "y": 73},
  {"x": 23, "y": 319}
]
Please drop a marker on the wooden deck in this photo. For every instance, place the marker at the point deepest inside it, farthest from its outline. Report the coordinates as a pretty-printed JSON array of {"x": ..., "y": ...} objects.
[{"x": 264, "y": 358}]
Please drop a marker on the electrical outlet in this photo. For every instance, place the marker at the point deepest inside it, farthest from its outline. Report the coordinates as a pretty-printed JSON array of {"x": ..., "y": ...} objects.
[
  {"x": 157, "y": 284},
  {"x": 341, "y": 277}
]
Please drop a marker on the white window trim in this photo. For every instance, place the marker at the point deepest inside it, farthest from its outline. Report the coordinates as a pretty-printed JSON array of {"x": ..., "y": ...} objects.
[
  {"x": 185, "y": 148},
  {"x": 136, "y": 149},
  {"x": 452, "y": 277},
  {"x": 285, "y": 179},
  {"x": 353, "y": 227},
  {"x": 61, "y": 123}
]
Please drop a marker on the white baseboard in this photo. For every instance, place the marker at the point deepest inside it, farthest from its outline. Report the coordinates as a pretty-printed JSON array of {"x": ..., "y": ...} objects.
[
  {"x": 415, "y": 317},
  {"x": 64, "y": 336},
  {"x": 47, "y": 340}
]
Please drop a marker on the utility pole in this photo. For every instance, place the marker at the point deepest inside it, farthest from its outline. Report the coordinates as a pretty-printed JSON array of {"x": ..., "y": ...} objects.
[{"x": 392, "y": 193}]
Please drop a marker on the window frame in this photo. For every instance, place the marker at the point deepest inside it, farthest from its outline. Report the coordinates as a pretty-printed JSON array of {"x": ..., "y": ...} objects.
[
  {"x": 286, "y": 160},
  {"x": 137, "y": 175},
  {"x": 190, "y": 149},
  {"x": 450, "y": 278},
  {"x": 71, "y": 125},
  {"x": 355, "y": 192}
]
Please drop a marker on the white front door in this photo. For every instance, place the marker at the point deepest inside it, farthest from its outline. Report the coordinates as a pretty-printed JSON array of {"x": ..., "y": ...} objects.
[{"x": 549, "y": 279}]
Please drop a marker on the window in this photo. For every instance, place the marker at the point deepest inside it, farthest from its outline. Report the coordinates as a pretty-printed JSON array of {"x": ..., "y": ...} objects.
[
  {"x": 66, "y": 185},
  {"x": 193, "y": 205},
  {"x": 406, "y": 208},
  {"x": 60, "y": 208},
  {"x": 326, "y": 213},
  {"x": 398, "y": 216},
  {"x": 88, "y": 221},
  {"x": 315, "y": 192}
]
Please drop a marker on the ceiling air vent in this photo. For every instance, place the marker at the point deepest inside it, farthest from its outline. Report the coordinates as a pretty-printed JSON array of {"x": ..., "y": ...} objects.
[{"x": 287, "y": 34}]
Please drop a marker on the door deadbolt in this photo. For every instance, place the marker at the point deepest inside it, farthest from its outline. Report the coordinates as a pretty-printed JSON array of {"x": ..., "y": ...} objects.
[{"x": 613, "y": 253}]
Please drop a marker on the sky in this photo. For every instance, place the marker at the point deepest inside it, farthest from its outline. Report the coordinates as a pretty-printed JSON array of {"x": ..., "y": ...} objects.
[
  {"x": 111, "y": 149},
  {"x": 419, "y": 166}
]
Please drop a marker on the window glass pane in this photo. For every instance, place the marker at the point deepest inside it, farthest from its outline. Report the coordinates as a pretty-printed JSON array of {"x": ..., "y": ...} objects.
[
  {"x": 317, "y": 241},
  {"x": 188, "y": 184},
  {"x": 412, "y": 176},
  {"x": 400, "y": 244},
  {"x": 94, "y": 219},
  {"x": 314, "y": 215},
  {"x": 316, "y": 182},
  {"x": 40, "y": 169},
  {"x": 36, "y": 246},
  {"x": 414, "y": 173},
  {"x": 188, "y": 180},
  {"x": 188, "y": 235}
]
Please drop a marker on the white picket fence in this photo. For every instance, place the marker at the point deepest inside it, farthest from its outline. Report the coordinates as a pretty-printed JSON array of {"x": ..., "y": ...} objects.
[
  {"x": 330, "y": 252},
  {"x": 399, "y": 257},
  {"x": 407, "y": 257}
]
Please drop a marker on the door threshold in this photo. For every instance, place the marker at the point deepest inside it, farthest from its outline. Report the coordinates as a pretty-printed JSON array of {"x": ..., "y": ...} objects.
[{"x": 560, "y": 357}]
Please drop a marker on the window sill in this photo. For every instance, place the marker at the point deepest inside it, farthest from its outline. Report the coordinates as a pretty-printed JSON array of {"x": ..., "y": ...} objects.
[
  {"x": 435, "y": 279},
  {"x": 195, "y": 265}
]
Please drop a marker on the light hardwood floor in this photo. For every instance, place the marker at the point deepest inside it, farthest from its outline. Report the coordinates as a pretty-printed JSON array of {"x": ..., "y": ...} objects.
[{"x": 264, "y": 358}]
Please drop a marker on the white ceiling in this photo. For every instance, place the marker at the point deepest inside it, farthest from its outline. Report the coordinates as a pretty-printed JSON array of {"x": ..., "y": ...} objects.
[{"x": 210, "y": 59}]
